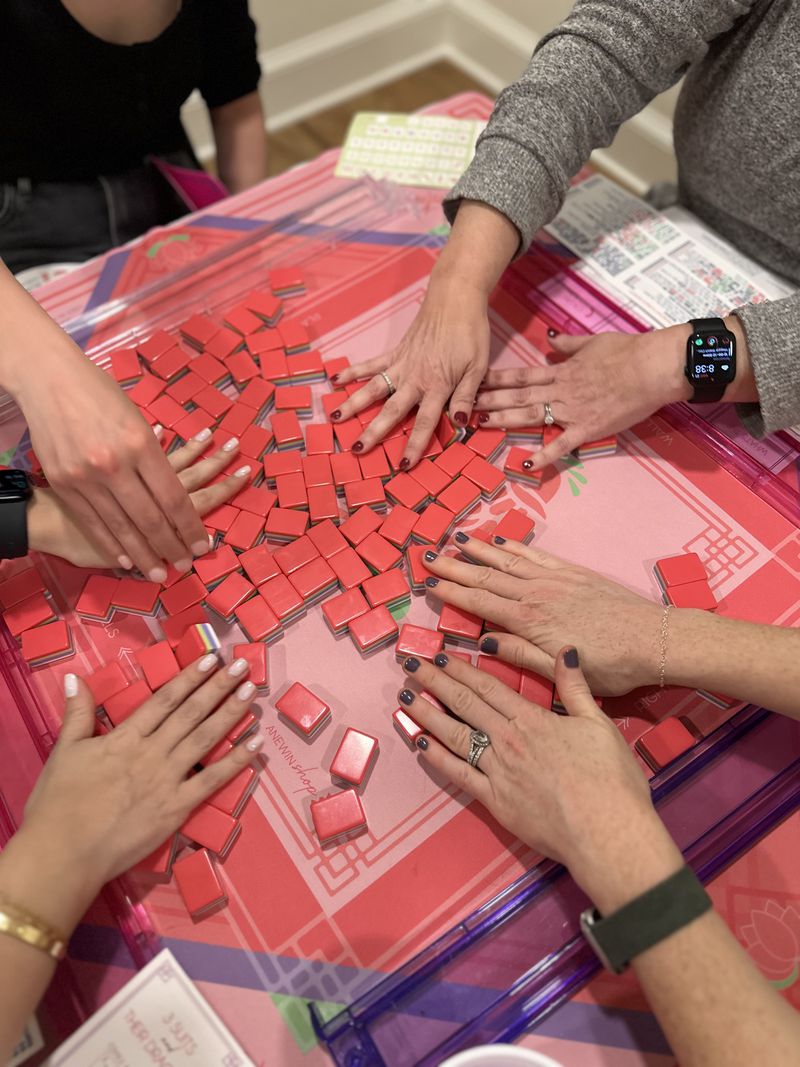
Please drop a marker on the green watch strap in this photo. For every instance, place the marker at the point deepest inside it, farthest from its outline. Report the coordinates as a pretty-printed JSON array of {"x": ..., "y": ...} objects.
[{"x": 651, "y": 917}]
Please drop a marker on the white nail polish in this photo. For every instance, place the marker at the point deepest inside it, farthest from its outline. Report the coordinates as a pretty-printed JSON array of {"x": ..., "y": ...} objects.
[
  {"x": 230, "y": 445},
  {"x": 207, "y": 663},
  {"x": 70, "y": 685},
  {"x": 203, "y": 435},
  {"x": 158, "y": 429},
  {"x": 239, "y": 666},
  {"x": 242, "y": 472},
  {"x": 245, "y": 691},
  {"x": 254, "y": 744},
  {"x": 157, "y": 574},
  {"x": 199, "y": 548},
  {"x": 125, "y": 562}
]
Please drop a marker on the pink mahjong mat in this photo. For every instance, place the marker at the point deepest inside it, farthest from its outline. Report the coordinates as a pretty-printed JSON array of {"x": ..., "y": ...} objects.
[{"x": 321, "y": 924}]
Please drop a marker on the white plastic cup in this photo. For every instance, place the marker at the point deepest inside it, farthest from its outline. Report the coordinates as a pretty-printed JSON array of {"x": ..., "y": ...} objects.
[{"x": 499, "y": 1056}]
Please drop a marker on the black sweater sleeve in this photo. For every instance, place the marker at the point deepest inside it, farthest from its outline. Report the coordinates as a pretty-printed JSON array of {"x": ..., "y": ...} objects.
[{"x": 230, "y": 57}]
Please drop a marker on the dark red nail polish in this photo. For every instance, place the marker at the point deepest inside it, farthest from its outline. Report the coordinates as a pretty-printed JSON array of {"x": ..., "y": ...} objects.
[
  {"x": 460, "y": 417},
  {"x": 334, "y": 378},
  {"x": 336, "y": 415},
  {"x": 551, "y": 332},
  {"x": 483, "y": 417},
  {"x": 358, "y": 446},
  {"x": 527, "y": 464},
  {"x": 405, "y": 463}
]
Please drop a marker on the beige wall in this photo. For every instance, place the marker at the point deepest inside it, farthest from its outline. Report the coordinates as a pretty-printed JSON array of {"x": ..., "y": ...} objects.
[{"x": 283, "y": 23}]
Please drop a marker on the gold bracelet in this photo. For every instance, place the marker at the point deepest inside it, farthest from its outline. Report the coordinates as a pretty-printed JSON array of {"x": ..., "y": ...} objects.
[
  {"x": 25, "y": 927},
  {"x": 663, "y": 640}
]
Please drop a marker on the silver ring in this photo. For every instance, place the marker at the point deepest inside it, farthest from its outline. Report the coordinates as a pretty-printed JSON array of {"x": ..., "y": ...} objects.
[
  {"x": 548, "y": 414},
  {"x": 389, "y": 385},
  {"x": 478, "y": 743}
]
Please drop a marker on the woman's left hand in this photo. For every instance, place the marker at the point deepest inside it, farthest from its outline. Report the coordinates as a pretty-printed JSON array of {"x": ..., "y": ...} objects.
[
  {"x": 53, "y": 529},
  {"x": 609, "y": 382}
]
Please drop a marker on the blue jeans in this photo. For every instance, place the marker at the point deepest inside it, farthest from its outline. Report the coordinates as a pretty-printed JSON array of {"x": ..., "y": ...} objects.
[{"x": 68, "y": 222}]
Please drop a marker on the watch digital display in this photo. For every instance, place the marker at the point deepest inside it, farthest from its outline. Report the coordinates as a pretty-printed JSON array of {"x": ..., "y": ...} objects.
[{"x": 711, "y": 359}]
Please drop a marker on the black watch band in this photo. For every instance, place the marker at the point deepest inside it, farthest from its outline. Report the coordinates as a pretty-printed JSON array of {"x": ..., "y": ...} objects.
[
  {"x": 708, "y": 325},
  {"x": 645, "y": 921},
  {"x": 13, "y": 529},
  {"x": 707, "y": 394}
]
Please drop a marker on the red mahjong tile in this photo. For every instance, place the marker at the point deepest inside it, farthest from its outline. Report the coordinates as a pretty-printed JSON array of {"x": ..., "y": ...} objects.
[
  {"x": 185, "y": 594},
  {"x": 504, "y": 672},
  {"x": 349, "y": 568},
  {"x": 47, "y": 643},
  {"x": 277, "y": 463},
  {"x": 368, "y": 492},
  {"x": 126, "y": 701},
  {"x": 209, "y": 369},
  {"x": 515, "y": 525},
  {"x": 317, "y": 470},
  {"x": 198, "y": 884},
  {"x": 211, "y": 828},
  {"x": 663, "y": 743},
  {"x": 388, "y": 588},
  {"x": 176, "y": 626},
  {"x": 378, "y": 554},
  {"x": 106, "y": 682},
  {"x": 418, "y": 641},
  {"x": 360, "y": 525},
  {"x": 319, "y": 439},
  {"x": 254, "y": 442},
  {"x": 404, "y": 490},
  {"x": 291, "y": 491},
  {"x": 488, "y": 478},
  {"x": 259, "y": 564},
  {"x": 432, "y": 478},
  {"x": 341, "y": 610},
  {"x": 454, "y": 459},
  {"x": 433, "y": 524},
  {"x": 323, "y": 503},
  {"x": 223, "y": 344},
  {"x": 692, "y": 595},
  {"x": 295, "y": 555},
  {"x": 158, "y": 664},
  {"x": 212, "y": 400},
  {"x": 345, "y": 469},
  {"x": 327, "y": 538},
  {"x": 374, "y": 629},
  {"x": 245, "y": 531},
  {"x": 146, "y": 390},
  {"x": 354, "y": 757},
  {"x": 232, "y": 797},
  {"x": 186, "y": 388},
  {"x": 459, "y": 624},
  {"x": 257, "y": 394},
  {"x": 397, "y": 526},
  {"x": 680, "y": 570},
  {"x": 140, "y": 597},
  {"x": 166, "y": 411},
  {"x": 96, "y": 597},
  {"x": 486, "y": 443},
  {"x": 338, "y": 817},
  {"x": 314, "y": 579},
  {"x": 237, "y": 419},
  {"x": 155, "y": 345},
  {"x": 229, "y": 594},
  {"x": 242, "y": 320},
  {"x": 198, "y": 330},
  {"x": 303, "y": 710},
  {"x": 281, "y": 596},
  {"x": 286, "y": 427},
  {"x": 257, "y": 620},
  {"x": 284, "y": 524},
  {"x": 258, "y": 661}
]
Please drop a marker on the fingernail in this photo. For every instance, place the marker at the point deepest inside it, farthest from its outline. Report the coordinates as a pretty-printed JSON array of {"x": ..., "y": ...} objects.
[
  {"x": 499, "y": 540},
  {"x": 527, "y": 464},
  {"x": 422, "y": 742},
  {"x": 157, "y": 574},
  {"x": 461, "y": 538},
  {"x": 230, "y": 445},
  {"x": 358, "y": 446},
  {"x": 242, "y": 472},
  {"x": 571, "y": 658},
  {"x": 70, "y": 685},
  {"x": 460, "y": 418},
  {"x": 405, "y": 463},
  {"x": 431, "y": 582},
  {"x": 551, "y": 332},
  {"x": 199, "y": 548},
  {"x": 207, "y": 663},
  {"x": 336, "y": 415},
  {"x": 254, "y": 744},
  {"x": 407, "y": 697},
  {"x": 430, "y": 557},
  {"x": 239, "y": 666},
  {"x": 182, "y": 566},
  {"x": 245, "y": 691},
  {"x": 411, "y": 664},
  {"x": 125, "y": 562},
  {"x": 489, "y": 644},
  {"x": 158, "y": 429},
  {"x": 334, "y": 378},
  {"x": 203, "y": 435},
  {"x": 483, "y": 418},
  {"x": 441, "y": 660}
]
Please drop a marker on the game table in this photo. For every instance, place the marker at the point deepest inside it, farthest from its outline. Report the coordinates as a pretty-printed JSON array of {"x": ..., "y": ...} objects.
[{"x": 327, "y": 925}]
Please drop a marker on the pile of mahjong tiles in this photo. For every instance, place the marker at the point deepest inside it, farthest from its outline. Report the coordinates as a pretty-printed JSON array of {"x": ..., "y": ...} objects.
[{"x": 315, "y": 522}]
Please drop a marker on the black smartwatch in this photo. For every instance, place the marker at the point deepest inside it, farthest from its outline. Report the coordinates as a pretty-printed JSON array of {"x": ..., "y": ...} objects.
[
  {"x": 16, "y": 489},
  {"x": 710, "y": 360}
]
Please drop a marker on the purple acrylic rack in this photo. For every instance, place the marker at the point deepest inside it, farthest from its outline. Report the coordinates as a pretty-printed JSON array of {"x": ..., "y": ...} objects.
[{"x": 514, "y": 961}]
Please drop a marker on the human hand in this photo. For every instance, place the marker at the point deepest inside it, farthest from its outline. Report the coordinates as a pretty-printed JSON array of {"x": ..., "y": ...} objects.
[
  {"x": 443, "y": 356},
  {"x": 103, "y": 803},
  {"x": 546, "y": 603},
  {"x": 609, "y": 382},
  {"x": 567, "y": 786},
  {"x": 52, "y": 527},
  {"x": 103, "y": 460}
]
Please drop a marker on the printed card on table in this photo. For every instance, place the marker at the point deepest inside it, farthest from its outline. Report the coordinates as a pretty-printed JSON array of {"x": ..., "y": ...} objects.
[{"x": 158, "y": 1017}]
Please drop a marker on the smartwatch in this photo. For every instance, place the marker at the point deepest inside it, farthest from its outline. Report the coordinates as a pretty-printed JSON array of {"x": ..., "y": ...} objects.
[
  {"x": 663, "y": 910},
  {"x": 16, "y": 489},
  {"x": 710, "y": 360}
]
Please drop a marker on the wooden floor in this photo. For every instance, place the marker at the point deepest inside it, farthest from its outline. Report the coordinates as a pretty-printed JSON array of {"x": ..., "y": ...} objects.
[{"x": 305, "y": 140}]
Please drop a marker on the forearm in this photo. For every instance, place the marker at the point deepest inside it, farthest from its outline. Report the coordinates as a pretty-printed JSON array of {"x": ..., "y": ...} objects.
[
  {"x": 481, "y": 244},
  {"x": 772, "y": 331},
  {"x": 759, "y": 664},
  {"x": 33, "y": 877},
  {"x": 241, "y": 142}
]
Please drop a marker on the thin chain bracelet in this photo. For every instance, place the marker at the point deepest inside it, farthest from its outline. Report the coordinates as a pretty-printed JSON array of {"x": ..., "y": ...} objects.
[{"x": 663, "y": 640}]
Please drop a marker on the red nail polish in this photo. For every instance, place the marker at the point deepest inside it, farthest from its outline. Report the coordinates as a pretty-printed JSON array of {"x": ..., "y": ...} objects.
[
  {"x": 527, "y": 464},
  {"x": 334, "y": 378},
  {"x": 460, "y": 418},
  {"x": 336, "y": 415},
  {"x": 551, "y": 332},
  {"x": 483, "y": 417},
  {"x": 358, "y": 446},
  {"x": 405, "y": 463}
]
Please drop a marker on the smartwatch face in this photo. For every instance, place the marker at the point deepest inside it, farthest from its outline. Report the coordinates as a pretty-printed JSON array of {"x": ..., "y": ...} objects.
[
  {"x": 14, "y": 485},
  {"x": 711, "y": 358}
]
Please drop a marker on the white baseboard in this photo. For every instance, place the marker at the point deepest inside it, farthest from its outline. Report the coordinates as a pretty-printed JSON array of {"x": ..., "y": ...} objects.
[{"x": 324, "y": 69}]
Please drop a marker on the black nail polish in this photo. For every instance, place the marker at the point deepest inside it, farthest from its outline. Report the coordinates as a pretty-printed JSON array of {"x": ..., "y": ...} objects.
[
  {"x": 358, "y": 446},
  {"x": 499, "y": 540},
  {"x": 460, "y": 418},
  {"x": 407, "y": 697},
  {"x": 430, "y": 557},
  {"x": 336, "y": 415},
  {"x": 571, "y": 658},
  {"x": 405, "y": 463},
  {"x": 489, "y": 644},
  {"x": 527, "y": 464},
  {"x": 411, "y": 664},
  {"x": 441, "y": 660},
  {"x": 483, "y": 417},
  {"x": 551, "y": 332},
  {"x": 422, "y": 742},
  {"x": 461, "y": 538},
  {"x": 431, "y": 582}
]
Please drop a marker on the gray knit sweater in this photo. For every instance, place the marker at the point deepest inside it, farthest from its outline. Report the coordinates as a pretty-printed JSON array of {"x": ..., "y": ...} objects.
[{"x": 737, "y": 139}]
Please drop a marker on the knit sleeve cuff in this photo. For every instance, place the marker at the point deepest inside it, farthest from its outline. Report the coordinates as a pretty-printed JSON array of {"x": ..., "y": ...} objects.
[
  {"x": 773, "y": 337},
  {"x": 507, "y": 176}
]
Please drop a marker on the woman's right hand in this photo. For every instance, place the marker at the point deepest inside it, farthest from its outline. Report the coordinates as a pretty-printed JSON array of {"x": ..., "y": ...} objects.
[{"x": 103, "y": 803}]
